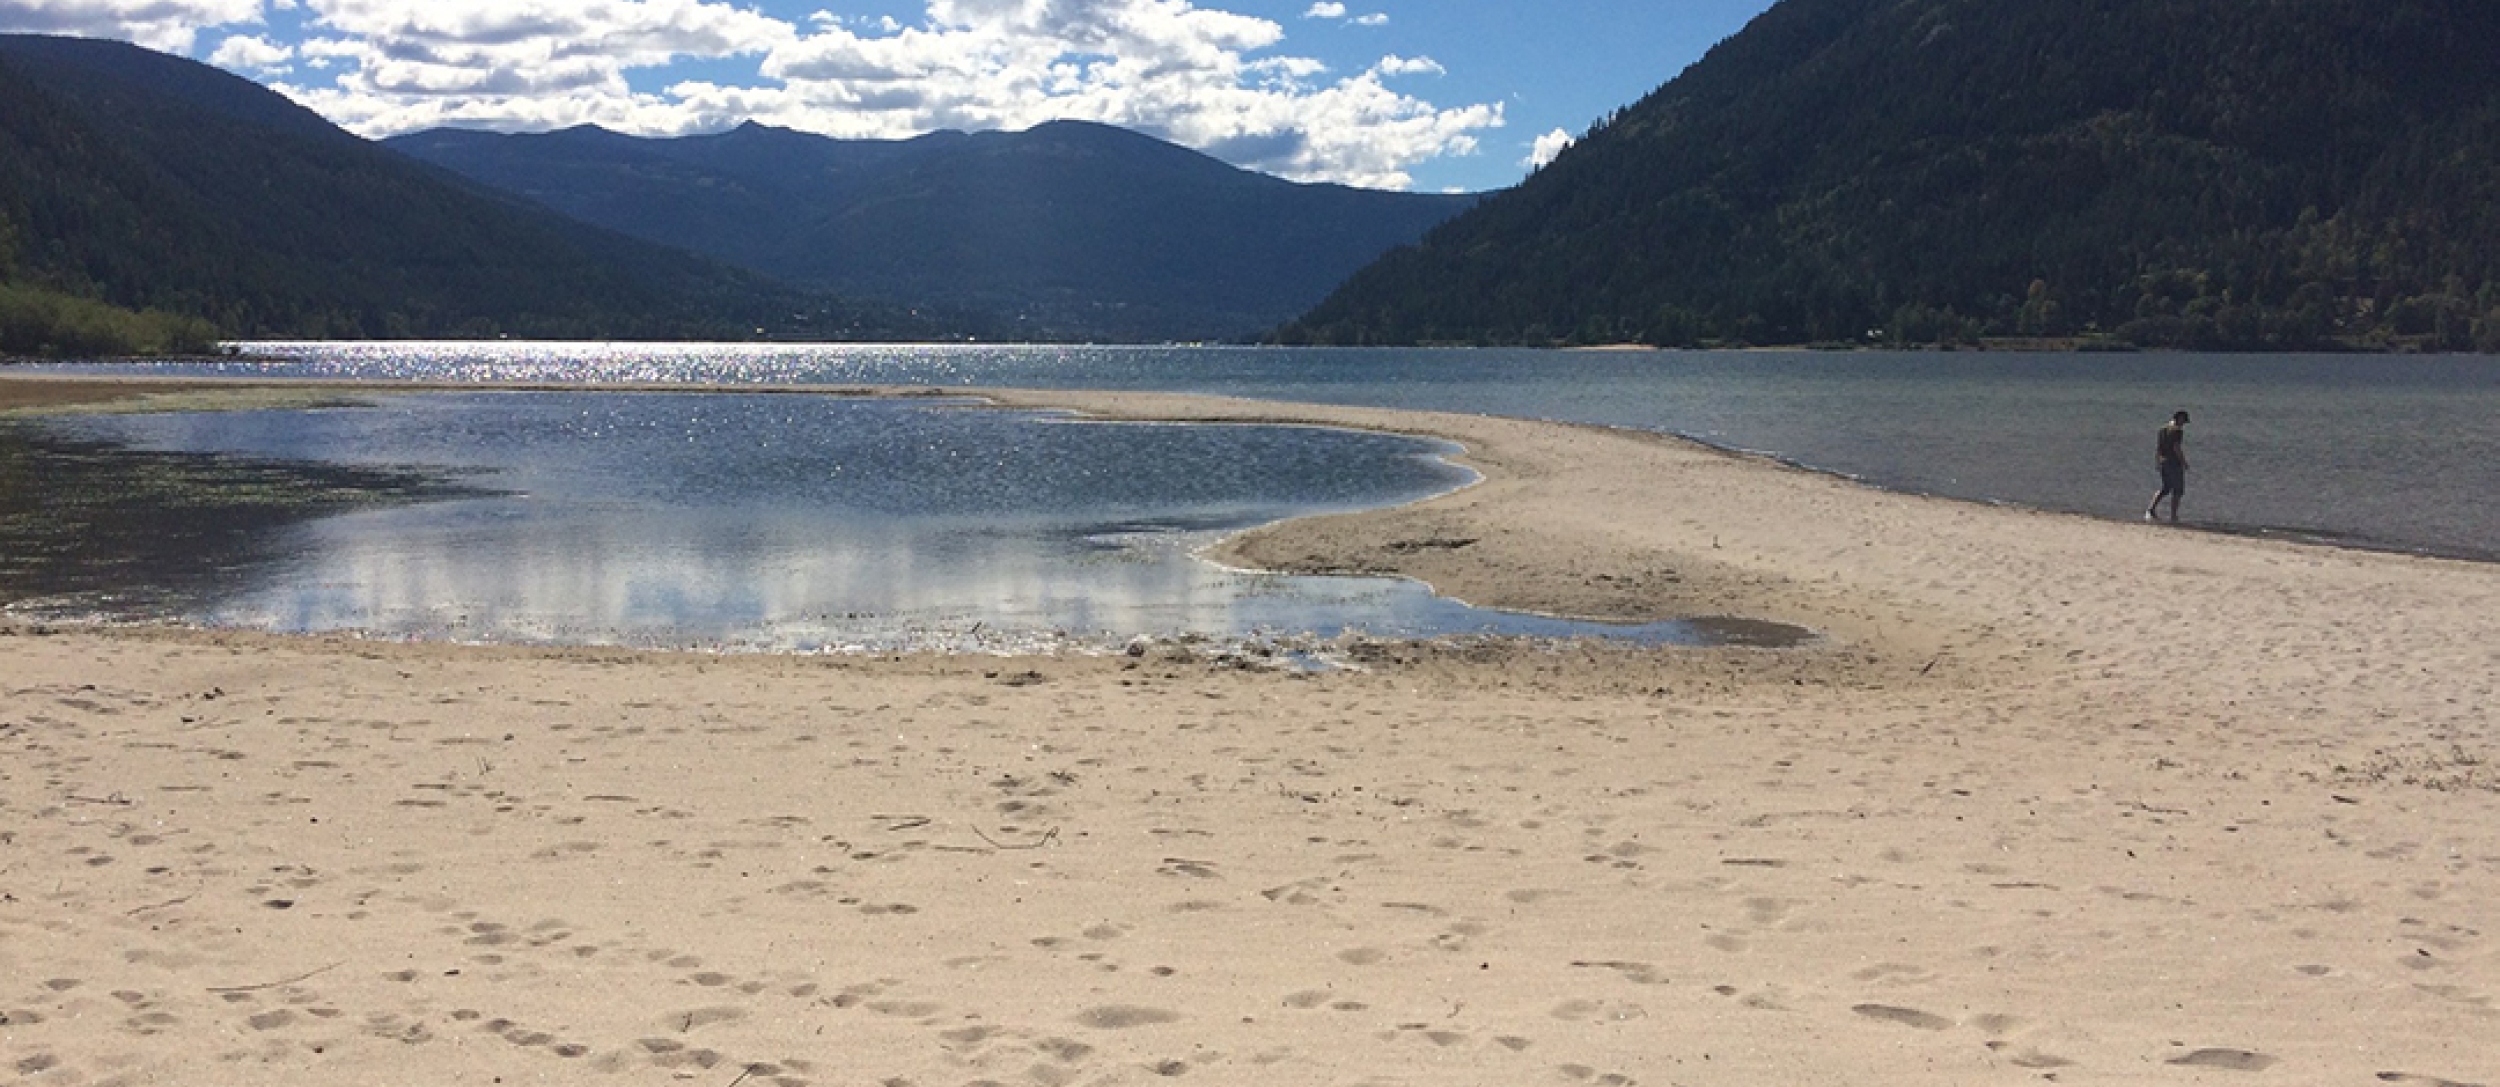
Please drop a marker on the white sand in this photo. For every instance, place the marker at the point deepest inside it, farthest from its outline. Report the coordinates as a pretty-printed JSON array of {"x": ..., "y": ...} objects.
[{"x": 2102, "y": 803}]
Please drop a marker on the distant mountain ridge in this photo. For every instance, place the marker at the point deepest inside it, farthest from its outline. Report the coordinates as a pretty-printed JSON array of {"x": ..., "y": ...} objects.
[
  {"x": 2266, "y": 174},
  {"x": 146, "y": 180},
  {"x": 1076, "y": 229}
]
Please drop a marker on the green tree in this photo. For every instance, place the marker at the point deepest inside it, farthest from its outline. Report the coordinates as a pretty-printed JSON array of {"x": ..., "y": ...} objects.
[{"x": 2039, "y": 315}]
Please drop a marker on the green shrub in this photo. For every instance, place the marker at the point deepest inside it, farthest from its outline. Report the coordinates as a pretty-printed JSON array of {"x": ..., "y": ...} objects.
[{"x": 49, "y": 324}]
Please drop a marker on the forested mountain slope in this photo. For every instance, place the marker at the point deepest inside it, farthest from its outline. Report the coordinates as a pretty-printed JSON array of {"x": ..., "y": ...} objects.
[
  {"x": 150, "y": 181},
  {"x": 1073, "y": 229},
  {"x": 2251, "y": 174}
]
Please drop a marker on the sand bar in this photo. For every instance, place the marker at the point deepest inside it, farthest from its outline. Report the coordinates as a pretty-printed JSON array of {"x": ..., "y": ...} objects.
[{"x": 2057, "y": 799}]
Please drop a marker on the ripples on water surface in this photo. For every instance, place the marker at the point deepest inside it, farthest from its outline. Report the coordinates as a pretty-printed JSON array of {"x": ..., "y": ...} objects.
[
  {"x": 2384, "y": 451},
  {"x": 742, "y": 520}
]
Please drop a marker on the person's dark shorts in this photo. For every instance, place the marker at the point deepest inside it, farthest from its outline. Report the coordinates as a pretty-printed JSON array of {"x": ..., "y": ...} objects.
[{"x": 2173, "y": 477}]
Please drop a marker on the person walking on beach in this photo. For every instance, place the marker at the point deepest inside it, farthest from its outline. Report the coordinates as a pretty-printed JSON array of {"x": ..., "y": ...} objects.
[{"x": 2170, "y": 455}]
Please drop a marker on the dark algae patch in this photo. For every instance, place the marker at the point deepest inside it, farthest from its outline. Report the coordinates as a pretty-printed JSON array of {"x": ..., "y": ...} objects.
[{"x": 85, "y": 522}]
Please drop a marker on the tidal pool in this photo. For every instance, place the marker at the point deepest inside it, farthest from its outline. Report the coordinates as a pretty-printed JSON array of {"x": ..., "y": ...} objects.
[{"x": 783, "y": 522}]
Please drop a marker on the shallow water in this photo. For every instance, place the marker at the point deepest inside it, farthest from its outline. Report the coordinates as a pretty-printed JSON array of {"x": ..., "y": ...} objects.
[
  {"x": 735, "y": 520},
  {"x": 2372, "y": 450}
]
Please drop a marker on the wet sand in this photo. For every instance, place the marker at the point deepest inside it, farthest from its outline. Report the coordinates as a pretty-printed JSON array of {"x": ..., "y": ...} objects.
[{"x": 2054, "y": 798}]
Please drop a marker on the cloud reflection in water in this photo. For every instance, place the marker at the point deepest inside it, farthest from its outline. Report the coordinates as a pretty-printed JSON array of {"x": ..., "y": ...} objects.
[{"x": 802, "y": 522}]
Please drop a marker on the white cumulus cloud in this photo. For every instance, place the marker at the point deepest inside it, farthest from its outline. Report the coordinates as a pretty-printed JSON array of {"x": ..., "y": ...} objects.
[
  {"x": 1548, "y": 147},
  {"x": 1204, "y": 77},
  {"x": 170, "y": 25},
  {"x": 1331, "y": 9},
  {"x": 1197, "y": 76},
  {"x": 1394, "y": 64},
  {"x": 244, "y": 52},
  {"x": 405, "y": 65}
]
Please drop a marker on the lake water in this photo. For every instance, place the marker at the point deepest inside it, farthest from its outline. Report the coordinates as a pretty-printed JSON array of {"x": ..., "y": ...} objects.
[
  {"x": 758, "y": 521},
  {"x": 2369, "y": 450},
  {"x": 819, "y": 522}
]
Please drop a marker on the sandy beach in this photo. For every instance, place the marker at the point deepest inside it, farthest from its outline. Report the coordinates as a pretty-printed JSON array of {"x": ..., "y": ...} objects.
[{"x": 2053, "y": 799}]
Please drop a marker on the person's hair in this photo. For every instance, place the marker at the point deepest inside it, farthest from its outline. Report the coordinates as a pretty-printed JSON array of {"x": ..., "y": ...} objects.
[{"x": 2178, "y": 417}]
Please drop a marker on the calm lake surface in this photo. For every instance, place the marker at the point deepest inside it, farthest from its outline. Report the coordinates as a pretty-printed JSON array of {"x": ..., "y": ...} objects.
[
  {"x": 731, "y": 520},
  {"x": 2369, "y": 450},
  {"x": 782, "y": 522}
]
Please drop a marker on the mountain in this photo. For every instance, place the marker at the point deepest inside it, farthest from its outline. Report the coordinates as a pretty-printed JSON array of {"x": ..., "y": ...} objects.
[
  {"x": 148, "y": 181},
  {"x": 2262, "y": 174},
  {"x": 1077, "y": 229}
]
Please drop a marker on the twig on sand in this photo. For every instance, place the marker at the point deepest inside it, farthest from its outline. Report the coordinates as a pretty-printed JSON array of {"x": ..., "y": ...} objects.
[
  {"x": 275, "y": 984},
  {"x": 743, "y": 1073},
  {"x": 137, "y": 910},
  {"x": 117, "y": 800},
  {"x": 1047, "y": 837}
]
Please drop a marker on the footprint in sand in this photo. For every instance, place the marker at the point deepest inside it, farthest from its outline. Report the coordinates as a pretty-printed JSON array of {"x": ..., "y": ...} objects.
[
  {"x": 2421, "y": 1081},
  {"x": 2026, "y": 1057},
  {"x": 1442, "y": 1038},
  {"x": 2236, "y": 1060},
  {"x": 1125, "y": 1016},
  {"x": 2034, "y": 1059},
  {"x": 1908, "y": 1017},
  {"x": 151, "y": 1022},
  {"x": 1995, "y": 1024},
  {"x": 691, "y": 1018},
  {"x": 1902, "y": 973},
  {"x": 679, "y": 1058},
  {"x": 1766, "y": 911},
  {"x": 1638, "y": 973},
  {"x": 1575, "y": 1011},
  {"x": 1064, "y": 1050},
  {"x": 961, "y": 1037}
]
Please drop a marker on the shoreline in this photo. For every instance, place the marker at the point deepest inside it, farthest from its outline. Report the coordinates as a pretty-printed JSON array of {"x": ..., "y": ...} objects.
[
  {"x": 23, "y": 392},
  {"x": 2058, "y": 797},
  {"x": 1698, "y": 585}
]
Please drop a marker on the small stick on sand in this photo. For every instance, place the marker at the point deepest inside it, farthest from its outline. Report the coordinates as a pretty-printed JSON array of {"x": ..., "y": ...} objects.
[
  {"x": 275, "y": 984},
  {"x": 136, "y": 910}
]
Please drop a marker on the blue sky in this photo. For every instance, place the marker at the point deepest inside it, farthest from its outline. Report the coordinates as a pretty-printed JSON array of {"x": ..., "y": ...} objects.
[{"x": 1421, "y": 94}]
